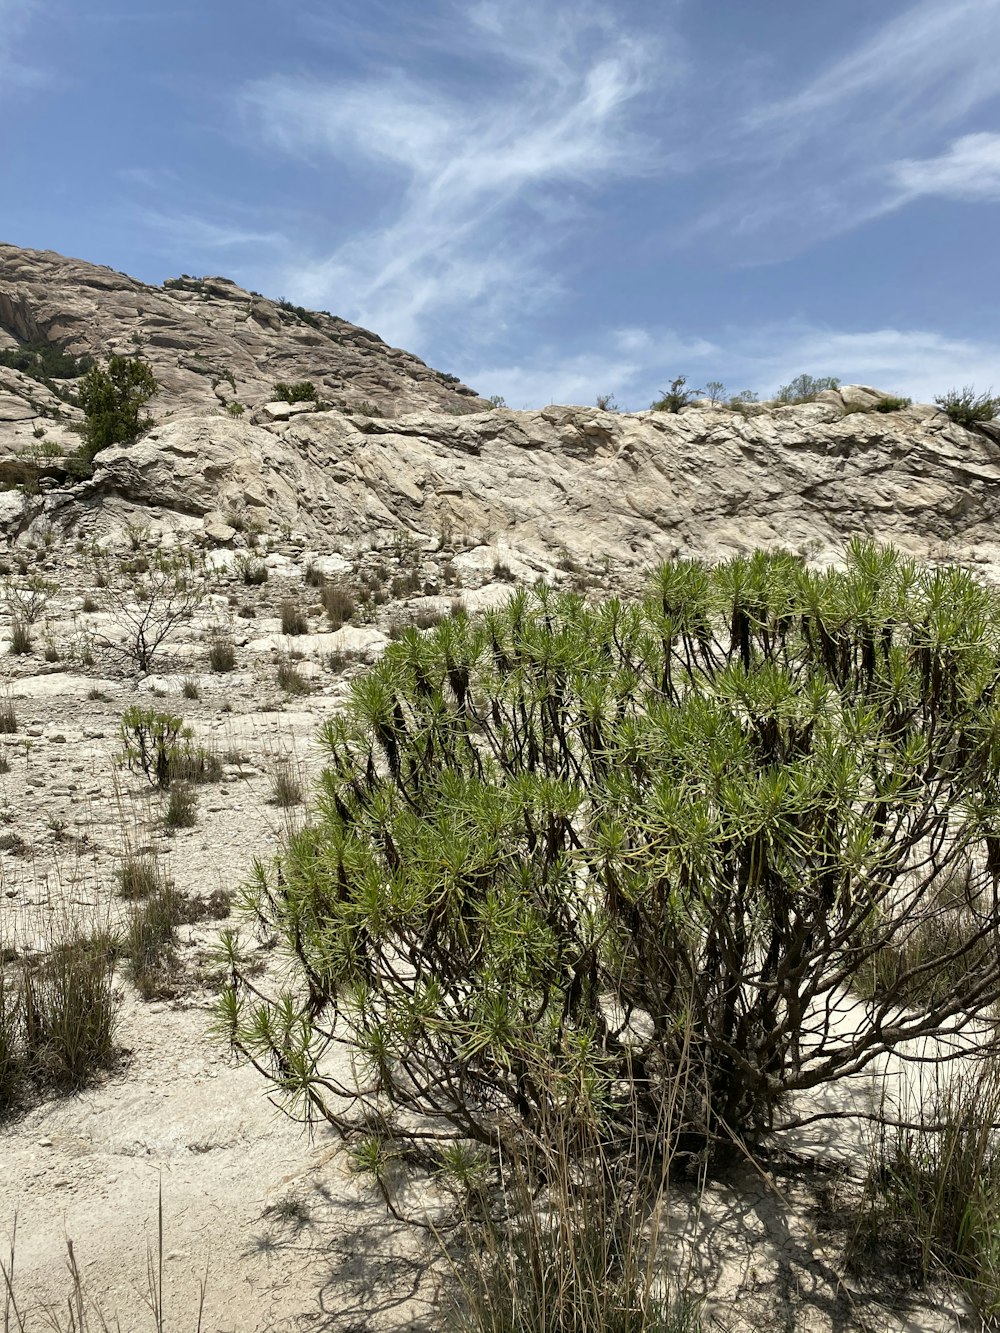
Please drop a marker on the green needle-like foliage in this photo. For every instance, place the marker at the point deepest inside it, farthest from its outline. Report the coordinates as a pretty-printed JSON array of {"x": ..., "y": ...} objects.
[{"x": 638, "y": 858}]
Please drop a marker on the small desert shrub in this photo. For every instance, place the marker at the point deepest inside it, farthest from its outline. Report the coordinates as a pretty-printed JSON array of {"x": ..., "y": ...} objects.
[
  {"x": 149, "y": 940},
  {"x": 404, "y": 585},
  {"x": 191, "y": 689},
  {"x": 8, "y": 718},
  {"x": 968, "y": 408},
  {"x": 221, "y": 653},
  {"x": 293, "y": 621},
  {"x": 890, "y": 403},
  {"x": 676, "y": 397},
  {"x": 932, "y": 1193},
  {"x": 150, "y": 597},
  {"x": 196, "y": 764},
  {"x": 182, "y": 807},
  {"x": 338, "y": 661},
  {"x": 98, "y": 696},
  {"x": 70, "y": 1008},
  {"x": 252, "y": 572},
  {"x": 286, "y": 785},
  {"x": 151, "y": 740},
  {"x": 291, "y": 679},
  {"x": 314, "y": 577},
  {"x": 90, "y": 605},
  {"x": 804, "y": 388},
  {"x": 20, "y": 637},
  {"x": 560, "y": 1248},
  {"x": 11, "y": 1041},
  {"x": 235, "y": 409},
  {"x": 50, "y": 652},
  {"x": 338, "y": 603},
  {"x": 138, "y": 875},
  {"x": 303, "y": 391},
  {"x": 428, "y": 618}
]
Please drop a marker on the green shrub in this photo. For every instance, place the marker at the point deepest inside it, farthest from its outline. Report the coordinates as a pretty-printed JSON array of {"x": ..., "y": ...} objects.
[
  {"x": 182, "y": 807},
  {"x": 338, "y": 603},
  {"x": 221, "y": 653},
  {"x": 70, "y": 1008},
  {"x": 252, "y": 572},
  {"x": 303, "y": 391},
  {"x": 20, "y": 637},
  {"x": 291, "y": 679},
  {"x": 804, "y": 388},
  {"x": 293, "y": 621},
  {"x": 932, "y": 1193},
  {"x": 676, "y": 397},
  {"x": 890, "y": 403},
  {"x": 113, "y": 398},
  {"x": 45, "y": 362},
  {"x": 636, "y": 848},
  {"x": 968, "y": 408},
  {"x": 152, "y": 742},
  {"x": 150, "y": 937}
]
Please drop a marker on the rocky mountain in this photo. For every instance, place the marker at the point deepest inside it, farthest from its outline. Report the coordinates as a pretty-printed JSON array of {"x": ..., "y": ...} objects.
[
  {"x": 209, "y": 341},
  {"x": 397, "y": 448}
]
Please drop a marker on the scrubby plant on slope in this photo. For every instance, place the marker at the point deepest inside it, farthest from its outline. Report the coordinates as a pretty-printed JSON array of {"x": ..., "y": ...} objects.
[
  {"x": 150, "y": 597},
  {"x": 804, "y": 388},
  {"x": 968, "y": 408},
  {"x": 626, "y": 855},
  {"x": 113, "y": 398}
]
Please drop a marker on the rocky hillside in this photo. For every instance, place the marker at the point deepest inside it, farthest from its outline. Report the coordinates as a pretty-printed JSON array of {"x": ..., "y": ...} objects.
[
  {"x": 394, "y": 448},
  {"x": 209, "y": 341}
]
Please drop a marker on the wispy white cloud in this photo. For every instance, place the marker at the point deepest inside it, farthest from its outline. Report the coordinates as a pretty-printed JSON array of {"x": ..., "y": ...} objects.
[
  {"x": 970, "y": 169},
  {"x": 848, "y": 145},
  {"x": 635, "y": 364},
  {"x": 930, "y": 64},
  {"x": 484, "y": 177},
  {"x": 186, "y": 232}
]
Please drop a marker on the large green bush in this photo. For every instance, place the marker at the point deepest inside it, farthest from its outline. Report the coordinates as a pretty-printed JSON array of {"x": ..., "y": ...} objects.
[
  {"x": 113, "y": 398},
  {"x": 635, "y": 857}
]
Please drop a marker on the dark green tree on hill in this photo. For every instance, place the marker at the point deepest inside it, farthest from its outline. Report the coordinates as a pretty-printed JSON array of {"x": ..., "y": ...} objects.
[{"x": 113, "y": 398}]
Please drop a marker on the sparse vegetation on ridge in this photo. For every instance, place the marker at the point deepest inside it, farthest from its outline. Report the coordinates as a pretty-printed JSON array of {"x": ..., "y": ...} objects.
[{"x": 968, "y": 408}]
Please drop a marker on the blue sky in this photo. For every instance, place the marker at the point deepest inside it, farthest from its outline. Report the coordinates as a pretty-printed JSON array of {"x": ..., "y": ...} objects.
[{"x": 550, "y": 198}]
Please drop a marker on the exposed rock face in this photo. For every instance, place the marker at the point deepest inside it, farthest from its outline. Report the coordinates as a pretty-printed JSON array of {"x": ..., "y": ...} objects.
[
  {"x": 211, "y": 342},
  {"x": 632, "y": 488},
  {"x": 576, "y": 483}
]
